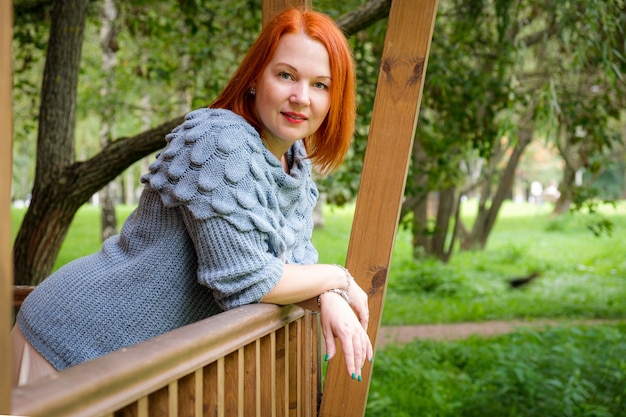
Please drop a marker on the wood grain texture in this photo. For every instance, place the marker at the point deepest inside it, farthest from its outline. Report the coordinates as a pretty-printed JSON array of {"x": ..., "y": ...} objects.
[
  {"x": 394, "y": 118},
  {"x": 271, "y": 7},
  {"x": 6, "y": 261}
]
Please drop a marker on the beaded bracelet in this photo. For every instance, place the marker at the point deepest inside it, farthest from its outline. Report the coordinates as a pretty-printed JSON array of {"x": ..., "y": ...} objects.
[
  {"x": 342, "y": 293},
  {"x": 349, "y": 276}
]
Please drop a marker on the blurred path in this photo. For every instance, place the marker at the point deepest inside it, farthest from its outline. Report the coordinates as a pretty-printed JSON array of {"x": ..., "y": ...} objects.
[{"x": 453, "y": 331}]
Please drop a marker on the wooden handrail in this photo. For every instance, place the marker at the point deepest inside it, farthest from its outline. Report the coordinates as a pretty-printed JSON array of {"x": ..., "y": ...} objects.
[{"x": 254, "y": 344}]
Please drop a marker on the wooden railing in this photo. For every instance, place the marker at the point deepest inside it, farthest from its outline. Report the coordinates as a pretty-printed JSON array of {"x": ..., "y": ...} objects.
[{"x": 257, "y": 360}]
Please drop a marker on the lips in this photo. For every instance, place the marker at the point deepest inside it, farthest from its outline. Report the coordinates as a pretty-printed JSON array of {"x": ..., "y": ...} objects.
[{"x": 294, "y": 117}]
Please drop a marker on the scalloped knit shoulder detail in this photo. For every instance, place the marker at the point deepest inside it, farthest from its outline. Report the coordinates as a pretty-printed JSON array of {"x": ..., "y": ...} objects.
[{"x": 216, "y": 164}]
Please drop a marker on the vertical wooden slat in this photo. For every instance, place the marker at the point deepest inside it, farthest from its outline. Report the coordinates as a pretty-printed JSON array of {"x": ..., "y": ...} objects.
[
  {"x": 187, "y": 395},
  {"x": 258, "y": 380},
  {"x": 158, "y": 402},
  {"x": 199, "y": 399},
  {"x": 210, "y": 390},
  {"x": 249, "y": 379},
  {"x": 306, "y": 377},
  {"x": 221, "y": 387},
  {"x": 6, "y": 261},
  {"x": 267, "y": 359},
  {"x": 396, "y": 107},
  {"x": 143, "y": 409},
  {"x": 310, "y": 365},
  {"x": 172, "y": 397},
  {"x": 272, "y": 7},
  {"x": 316, "y": 365},
  {"x": 280, "y": 367},
  {"x": 231, "y": 385},
  {"x": 293, "y": 370},
  {"x": 240, "y": 382}
]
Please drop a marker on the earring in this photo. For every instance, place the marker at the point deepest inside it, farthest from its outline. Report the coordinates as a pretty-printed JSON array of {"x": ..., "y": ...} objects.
[{"x": 252, "y": 91}]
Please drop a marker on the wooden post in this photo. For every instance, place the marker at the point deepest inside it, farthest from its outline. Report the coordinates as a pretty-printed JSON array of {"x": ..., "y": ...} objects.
[
  {"x": 394, "y": 118},
  {"x": 6, "y": 260},
  {"x": 272, "y": 7}
]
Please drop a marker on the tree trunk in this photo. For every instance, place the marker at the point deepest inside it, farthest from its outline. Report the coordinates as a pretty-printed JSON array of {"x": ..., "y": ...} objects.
[
  {"x": 418, "y": 204},
  {"x": 486, "y": 217},
  {"x": 419, "y": 228},
  {"x": 108, "y": 44},
  {"x": 37, "y": 244},
  {"x": 445, "y": 211},
  {"x": 562, "y": 204}
]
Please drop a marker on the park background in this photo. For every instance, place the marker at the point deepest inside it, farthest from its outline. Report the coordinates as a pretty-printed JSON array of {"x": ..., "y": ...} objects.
[{"x": 518, "y": 168}]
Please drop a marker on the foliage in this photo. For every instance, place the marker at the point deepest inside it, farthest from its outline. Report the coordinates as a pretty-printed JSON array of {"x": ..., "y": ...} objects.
[
  {"x": 490, "y": 63},
  {"x": 581, "y": 275},
  {"x": 567, "y": 371},
  {"x": 502, "y": 70}
]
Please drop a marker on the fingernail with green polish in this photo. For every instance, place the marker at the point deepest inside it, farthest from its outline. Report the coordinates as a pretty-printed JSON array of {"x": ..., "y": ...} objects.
[
  {"x": 360, "y": 378},
  {"x": 326, "y": 357},
  {"x": 353, "y": 375}
]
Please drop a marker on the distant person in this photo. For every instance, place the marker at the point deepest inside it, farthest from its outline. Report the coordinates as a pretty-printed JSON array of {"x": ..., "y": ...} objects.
[
  {"x": 536, "y": 192},
  {"x": 225, "y": 217}
]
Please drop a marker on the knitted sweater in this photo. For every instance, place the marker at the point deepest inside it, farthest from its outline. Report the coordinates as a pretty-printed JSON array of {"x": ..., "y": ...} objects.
[{"x": 216, "y": 222}]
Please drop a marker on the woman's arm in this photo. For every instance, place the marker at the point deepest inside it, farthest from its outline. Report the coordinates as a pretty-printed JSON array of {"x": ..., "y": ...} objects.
[{"x": 303, "y": 282}]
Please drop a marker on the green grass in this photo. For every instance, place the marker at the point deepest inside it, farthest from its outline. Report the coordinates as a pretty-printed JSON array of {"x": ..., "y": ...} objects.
[{"x": 565, "y": 371}]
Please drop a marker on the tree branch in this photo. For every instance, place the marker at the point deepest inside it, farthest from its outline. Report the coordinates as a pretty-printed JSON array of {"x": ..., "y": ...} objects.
[
  {"x": 364, "y": 16},
  {"x": 91, "y": 175}
]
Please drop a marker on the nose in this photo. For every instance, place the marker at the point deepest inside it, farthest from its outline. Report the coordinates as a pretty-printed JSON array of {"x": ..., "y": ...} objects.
[{"x": 300, "y": 94}]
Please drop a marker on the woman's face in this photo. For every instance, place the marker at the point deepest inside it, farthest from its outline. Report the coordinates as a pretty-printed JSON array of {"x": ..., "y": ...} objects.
[{"x": 293, "y": 92}]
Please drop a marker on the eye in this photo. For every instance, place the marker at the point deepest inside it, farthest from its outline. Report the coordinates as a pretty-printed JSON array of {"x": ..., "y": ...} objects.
[
  {"x": 285, "y": 75},
  {"x": 320, "y": 85}
]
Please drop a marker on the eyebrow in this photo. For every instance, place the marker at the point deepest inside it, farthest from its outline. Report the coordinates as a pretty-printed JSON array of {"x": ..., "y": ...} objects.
[{"x": 326, "y": 77}]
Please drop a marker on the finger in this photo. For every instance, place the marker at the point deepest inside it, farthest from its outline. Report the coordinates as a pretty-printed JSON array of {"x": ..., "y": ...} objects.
[
  {"x": 363, "y": 349},
  {"x": 329, "y": 339},
  {"x": 349, "y": 356},
  {"x": 370, "y": 350},
  {"x": 359, "y": 354},
  {"x": 364, "y": 318}
]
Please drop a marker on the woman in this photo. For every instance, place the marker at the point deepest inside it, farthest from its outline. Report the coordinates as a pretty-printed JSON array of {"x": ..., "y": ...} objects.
[{"x": 225, "y": 216}]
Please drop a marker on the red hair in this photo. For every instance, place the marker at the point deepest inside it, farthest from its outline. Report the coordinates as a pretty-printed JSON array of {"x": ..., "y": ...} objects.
[{"x": 328, "y": 146}]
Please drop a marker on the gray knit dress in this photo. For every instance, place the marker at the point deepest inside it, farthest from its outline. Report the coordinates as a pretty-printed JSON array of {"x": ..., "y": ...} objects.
[{"x": 215, "y": 224}]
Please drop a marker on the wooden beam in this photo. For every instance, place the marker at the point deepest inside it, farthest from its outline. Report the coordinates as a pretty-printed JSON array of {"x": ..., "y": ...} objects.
[
  {"x": 6, "y": 261},
  {"x": 394, "y": 118},
  {"x": 272, "y": 7}
]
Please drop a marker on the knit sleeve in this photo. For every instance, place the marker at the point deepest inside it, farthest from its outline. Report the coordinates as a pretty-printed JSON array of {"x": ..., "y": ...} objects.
[
  {"x": 215, "y": 165},
  {"x": 238, "y": 267}
]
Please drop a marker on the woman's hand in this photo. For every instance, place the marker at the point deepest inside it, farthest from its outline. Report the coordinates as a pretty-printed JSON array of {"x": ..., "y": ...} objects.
[
  {"x": 359, "y": 303},
  {"x": 340, "y": 321}
]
